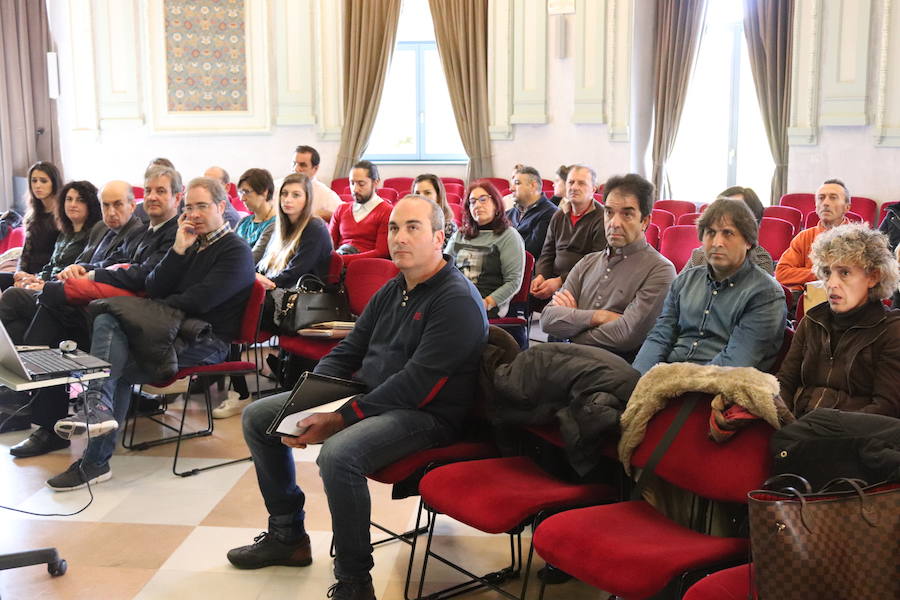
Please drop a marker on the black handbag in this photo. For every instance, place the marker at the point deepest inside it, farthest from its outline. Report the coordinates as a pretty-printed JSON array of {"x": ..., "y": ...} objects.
[{"x": 309, "y": 303}]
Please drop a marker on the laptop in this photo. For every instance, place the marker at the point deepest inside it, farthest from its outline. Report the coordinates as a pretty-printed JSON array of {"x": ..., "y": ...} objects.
[{"x": 47, "y": 363}]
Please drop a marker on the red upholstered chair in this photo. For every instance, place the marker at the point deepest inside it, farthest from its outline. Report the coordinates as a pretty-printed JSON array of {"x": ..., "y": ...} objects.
[
  {"x": 786, "y": 213},
  {"x": 547, "y": 186},
  {"x": 662, "y": 219},
  {"x": 652, "y": 235},
  {"x": 455, "y": 188},
  {"x": 688, "y": 218},
  {"x": 362, "y": 279},
  {"x": 457, "y": 213},
  {"x": 728, "y": 584},
  {"x": 775, "y": 236},
  {"x": 517, "y": 321},
  {"x": 865, "y": 208},
  {"x": 884, "y": 209},
  {"x": 677, "y": 243},
  {"x": 502, "y": 495},
  {"x": 402, "y": 185},
  {"x": 634, "y": 551},
  {"x": 249, "y": 334},
  {"x": 138, "y": 192},
  {"x": 676, "y": 207},
  {"x": 454, "y": 198},
  {"x": 703, "y": 207},
  {"x": 805, "y": 203},
  {"x": 15, "y": 239},
  {"x": 454, "y": 180},
  {"x": 346, "y": 197},
  {"x": 239, "y": 205},
  {"x": 339, "y": 184},
  {"x": 499, "y": 183},
  {"x": 599, "y": 197},
  {"x": 389, "y": 194},
  {"x": 812, "y": 219}
]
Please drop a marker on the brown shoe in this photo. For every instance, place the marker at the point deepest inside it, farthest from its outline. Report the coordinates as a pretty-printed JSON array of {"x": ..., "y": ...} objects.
[{"x": 267, "y": 551}]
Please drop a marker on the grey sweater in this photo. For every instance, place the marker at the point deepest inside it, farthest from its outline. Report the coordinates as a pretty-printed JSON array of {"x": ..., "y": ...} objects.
[
  {"x": 494, "y": 263},
  {"x": 632, "y": 281}
]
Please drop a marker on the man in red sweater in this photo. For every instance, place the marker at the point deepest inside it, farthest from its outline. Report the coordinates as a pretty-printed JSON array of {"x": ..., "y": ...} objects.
[{"x": 359, "y": 229}]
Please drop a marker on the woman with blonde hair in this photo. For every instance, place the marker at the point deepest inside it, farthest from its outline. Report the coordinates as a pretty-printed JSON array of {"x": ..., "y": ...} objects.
[
  {"x": 846, "y": 351},
  {"x": 300, "y": 244}
]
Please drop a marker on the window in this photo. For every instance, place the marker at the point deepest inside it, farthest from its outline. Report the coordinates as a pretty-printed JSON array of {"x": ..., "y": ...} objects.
[
  {"x": 415, "y": 120},
  {"x": 722, "y": 139}
]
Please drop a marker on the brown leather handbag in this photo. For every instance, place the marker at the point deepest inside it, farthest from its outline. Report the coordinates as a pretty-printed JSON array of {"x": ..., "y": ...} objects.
[{"x": 840, "y": 542}]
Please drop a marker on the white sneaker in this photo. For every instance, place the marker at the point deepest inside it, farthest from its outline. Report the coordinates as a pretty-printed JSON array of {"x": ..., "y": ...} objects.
[{"x": 231, "y": 406}]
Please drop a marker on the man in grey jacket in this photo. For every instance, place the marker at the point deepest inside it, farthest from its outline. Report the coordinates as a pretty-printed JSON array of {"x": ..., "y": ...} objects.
[{"x": 611, "y": 298}]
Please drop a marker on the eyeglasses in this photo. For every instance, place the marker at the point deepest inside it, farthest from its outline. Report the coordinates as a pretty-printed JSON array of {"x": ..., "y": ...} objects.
[
  {"x": 243, "y": 192},
  {"x": 480, "y": 199},
  {"x": 197, "y": 208}
]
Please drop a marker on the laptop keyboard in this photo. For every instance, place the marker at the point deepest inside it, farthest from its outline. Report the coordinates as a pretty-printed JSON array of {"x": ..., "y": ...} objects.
[{"x": 50, "y": 361}]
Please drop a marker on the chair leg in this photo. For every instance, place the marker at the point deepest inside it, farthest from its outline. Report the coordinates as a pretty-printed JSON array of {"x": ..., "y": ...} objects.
[
  {"x": 209, "y": 423},
  {"x": 490, "y": 580},
  {"x": 407, "y": 536}
]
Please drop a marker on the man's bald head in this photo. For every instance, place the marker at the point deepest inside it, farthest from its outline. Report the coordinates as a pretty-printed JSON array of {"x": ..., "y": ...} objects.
[
  {"x": 219, "y": 174},
  {"x": 116, "y": 203}
]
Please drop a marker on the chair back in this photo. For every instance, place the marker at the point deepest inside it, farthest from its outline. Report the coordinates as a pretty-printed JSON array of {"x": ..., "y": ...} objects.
[
  {"x": 787, "y": 213},
  {"x": 884, "y": 210},
  {"x": 250, "y": 319},
  {"x": 454, "y": 180},
  {"x": 239, "y": 205},
  {"x": 599, "y": 197},
  {"x": 676, "y": 207},
  {"x": 547, "y": 186},
  {"x": 339, "y": 184},
  {"x": 346, "y": 197},
  {"x": 677, "y": 243},
  {"x": 389, "y": 194},
  {"x": 662, "y": 218},
  {"x": 138, "y": 192},
  {"x": 501, "y": 184},
  {"x": 775, "y": 236},
  {"x": 455, "y": 188},
  {"x": 522, "y": 295},
  {"x": 403, "y": 185},
  {"x": 652, "y": 235},
  {"x": 805, "y": 203},
  {"x": 364, "y": 277},
  {"x": 15, "y": 239},
  {"x": 703, "y": 207},
  {"x": 457, "y": 213},
  {"x": 865, "y": 208},
  {"x": 724, "y": 472},
  {"x": 688, "y": 218},
  {"x": 453, "y": 198}
]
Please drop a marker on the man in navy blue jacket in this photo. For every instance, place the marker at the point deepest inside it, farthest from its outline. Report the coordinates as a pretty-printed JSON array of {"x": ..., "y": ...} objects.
[
  {"x": 208, "y": 274},
  {"x": 532, "y": 211},
  {"x": 417, "y": 348}
]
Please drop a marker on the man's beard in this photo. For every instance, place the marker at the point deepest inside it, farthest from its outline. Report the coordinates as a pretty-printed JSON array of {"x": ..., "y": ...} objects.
[{"x": 360, "y": 199}]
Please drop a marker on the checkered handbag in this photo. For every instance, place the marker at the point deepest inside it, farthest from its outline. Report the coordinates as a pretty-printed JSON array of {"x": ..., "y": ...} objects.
[{"x": 842, "y": 542}]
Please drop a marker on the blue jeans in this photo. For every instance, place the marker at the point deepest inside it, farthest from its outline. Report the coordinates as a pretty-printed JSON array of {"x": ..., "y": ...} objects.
[
  {"x": 109, "y": 342},
  {"x": 344, "y": 461}
]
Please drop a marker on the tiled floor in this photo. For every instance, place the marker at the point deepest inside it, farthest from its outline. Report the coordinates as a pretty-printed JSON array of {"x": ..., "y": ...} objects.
[{"x": 151, "y": 535}]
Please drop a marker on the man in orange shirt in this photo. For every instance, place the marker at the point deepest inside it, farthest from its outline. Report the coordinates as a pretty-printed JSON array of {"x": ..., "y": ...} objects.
[{"x": 795, "y": 267}]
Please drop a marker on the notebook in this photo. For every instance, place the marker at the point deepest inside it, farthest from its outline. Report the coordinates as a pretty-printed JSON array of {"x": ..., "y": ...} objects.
[
  {"x": 312, "y": 394},
  {"x": 46, "y": 363}
]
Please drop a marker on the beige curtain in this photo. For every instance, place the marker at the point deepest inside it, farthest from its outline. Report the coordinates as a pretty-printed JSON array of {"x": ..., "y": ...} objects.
[
  {"x": 460, "y": 28},
  {"x": 370, "y": 28},
  {"x": 678, "y": 28},
  {"x": 767, "y": 26},
  {"x": 28, "y": 126}
]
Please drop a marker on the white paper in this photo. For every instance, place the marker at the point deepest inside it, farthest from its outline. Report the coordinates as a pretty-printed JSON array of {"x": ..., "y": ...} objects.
[{"x": 288, "y": 425}]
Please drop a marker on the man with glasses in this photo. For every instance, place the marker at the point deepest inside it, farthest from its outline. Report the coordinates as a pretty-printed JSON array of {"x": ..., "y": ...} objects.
[
  {"x": 232, "y": 216},
  {"x": 207, "y": 274},
  {"x": 574, "y": 232}
]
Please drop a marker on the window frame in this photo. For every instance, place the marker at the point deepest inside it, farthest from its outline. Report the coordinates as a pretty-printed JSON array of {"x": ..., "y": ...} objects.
[{"x": 420, "y": 156}]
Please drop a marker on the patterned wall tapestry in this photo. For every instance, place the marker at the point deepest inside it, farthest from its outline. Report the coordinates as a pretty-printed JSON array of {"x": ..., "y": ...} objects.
[{"x": 206, "y": 56}]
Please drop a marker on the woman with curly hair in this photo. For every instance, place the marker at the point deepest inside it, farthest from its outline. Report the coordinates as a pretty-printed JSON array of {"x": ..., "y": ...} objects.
[{"x": 846, "y": 352}]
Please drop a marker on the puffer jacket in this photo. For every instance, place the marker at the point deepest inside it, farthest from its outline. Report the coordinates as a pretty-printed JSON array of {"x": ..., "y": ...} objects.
[
  {"x": 863, "y": 374},
  {"x": 580, "y": 388},
  {"x": 155, "y": 332}
]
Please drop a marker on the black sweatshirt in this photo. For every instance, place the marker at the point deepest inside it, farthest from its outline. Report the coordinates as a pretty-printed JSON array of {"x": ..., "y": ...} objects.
[
  {"x": 212, "y": 285},
  {"x": 421, "y": 355}
]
